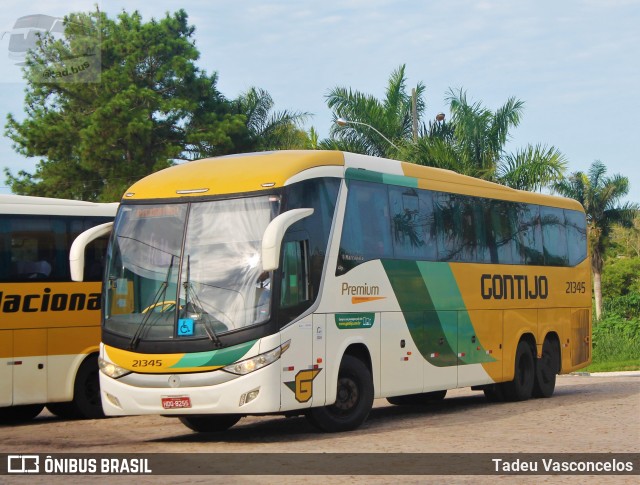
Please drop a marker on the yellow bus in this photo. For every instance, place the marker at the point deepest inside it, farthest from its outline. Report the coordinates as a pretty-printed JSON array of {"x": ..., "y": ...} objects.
[
  {"x": 49, "y": 325},
  {"x": 313, "y": 282}
]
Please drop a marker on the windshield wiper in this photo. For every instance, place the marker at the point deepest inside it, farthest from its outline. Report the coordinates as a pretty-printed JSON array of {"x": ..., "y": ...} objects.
[
  {"x": 208, "y": 327},
  {"x": 159, "y": 297}
]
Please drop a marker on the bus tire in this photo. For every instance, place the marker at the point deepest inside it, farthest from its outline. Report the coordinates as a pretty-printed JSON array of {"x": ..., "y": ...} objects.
[
  {"x": 214, "y": 423},
  {"x": 547, "y": 367},
  {"x": 419, "y": 399},
  {"x": 354, "y": 399},
  {"x": 20, "y": 414},
  {"x": 521, "y": 387},
  {"x": 86, "y": 402}
]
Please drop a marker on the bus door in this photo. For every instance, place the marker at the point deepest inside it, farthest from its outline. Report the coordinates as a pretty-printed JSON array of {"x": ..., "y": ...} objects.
[{"x": 299, "y": 367}]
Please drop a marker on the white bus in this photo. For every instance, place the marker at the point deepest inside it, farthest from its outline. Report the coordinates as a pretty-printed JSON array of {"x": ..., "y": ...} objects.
[
  {"x": 314, "y": 282},
  {"x": 49, "y": 325}
]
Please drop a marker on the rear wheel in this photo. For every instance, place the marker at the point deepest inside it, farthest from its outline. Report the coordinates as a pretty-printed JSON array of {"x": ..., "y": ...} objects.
[
  {"x": 20, "y": 414},
  {"x": 214, "y": 423},
  {"x": 521, "y": 387},
  {"x": 547, "y": 367},
  {"x": 417, "y": 399},
  {"x": 354, "y": 399}
]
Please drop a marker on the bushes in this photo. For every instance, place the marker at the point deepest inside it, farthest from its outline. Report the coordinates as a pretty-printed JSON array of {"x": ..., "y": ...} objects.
[{"x": 616, "y": 337}]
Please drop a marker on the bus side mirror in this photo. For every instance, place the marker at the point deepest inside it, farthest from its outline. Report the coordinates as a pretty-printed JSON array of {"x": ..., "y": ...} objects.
[
  {"x": 76, "y": 254},
  {"x": 272, "y": 239}
]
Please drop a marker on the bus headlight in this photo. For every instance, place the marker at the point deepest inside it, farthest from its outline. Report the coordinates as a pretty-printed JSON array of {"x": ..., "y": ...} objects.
[
  {"x": 258, "y": 362},
  {"x": 111, "y": 370}
]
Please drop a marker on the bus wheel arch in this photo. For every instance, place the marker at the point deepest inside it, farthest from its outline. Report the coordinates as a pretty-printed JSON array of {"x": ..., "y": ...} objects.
[
  {"x": 547, "y": 366},
  {"x": 521, "y": 387},
  {"x": 86, "y": 401},
  {"x": 354, "y": 394}
]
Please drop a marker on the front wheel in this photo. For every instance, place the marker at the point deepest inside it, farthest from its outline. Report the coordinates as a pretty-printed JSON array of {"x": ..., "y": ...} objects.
[
  {"x": 86, "y": 402},
  {"x": 214, "y": 423},
  {"x": 354, "y": 399}
]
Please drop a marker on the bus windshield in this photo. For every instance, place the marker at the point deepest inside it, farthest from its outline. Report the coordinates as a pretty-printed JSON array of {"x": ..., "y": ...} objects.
[{"x": 188, "y": 270}]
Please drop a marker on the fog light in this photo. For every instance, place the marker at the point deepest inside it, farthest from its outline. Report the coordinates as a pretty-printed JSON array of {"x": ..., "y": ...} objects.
[
  {"x": 113, "y": 400},
  {"x": 247, "y": 397}
]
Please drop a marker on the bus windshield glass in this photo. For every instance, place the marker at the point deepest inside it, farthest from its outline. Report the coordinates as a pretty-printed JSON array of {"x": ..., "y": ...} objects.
[{"x": 188, "y": 270}]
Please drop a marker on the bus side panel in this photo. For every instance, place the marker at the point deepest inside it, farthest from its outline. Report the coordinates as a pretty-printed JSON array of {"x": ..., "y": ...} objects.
[
  {"x": 342, "y": 330},
  {"x": 560, "y": 320},
  {"x": 6, "y": 367},
  {"x": 296, "y": 373},
  {"x": 516, "y": 324},
  {"x": 401, "y": 365},
  {"x": 319, "y": 359},
  {"x": 67, "y": 348},
  {"x": 480, "y": 342},
  {"x": 30, "y": 366}
]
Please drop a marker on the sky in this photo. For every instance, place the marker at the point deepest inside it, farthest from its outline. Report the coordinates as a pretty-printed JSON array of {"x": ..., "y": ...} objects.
[{"x": 575, "y": 63}]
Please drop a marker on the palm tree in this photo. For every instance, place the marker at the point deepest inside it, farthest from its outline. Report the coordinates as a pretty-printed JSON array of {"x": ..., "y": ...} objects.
[
  {"x": 267, "y": 130},
  {"x": 600, "y": 197},
  {"x": 473, "y": 141},
  {"x": 392, "y": 117}
]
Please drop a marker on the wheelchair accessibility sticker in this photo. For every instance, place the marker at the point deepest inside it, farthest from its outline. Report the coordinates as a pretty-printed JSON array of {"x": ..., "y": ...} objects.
[{"x": 185, "y": 327}]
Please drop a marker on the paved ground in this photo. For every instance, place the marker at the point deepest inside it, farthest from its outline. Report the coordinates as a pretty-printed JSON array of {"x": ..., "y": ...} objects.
[{"x": 587, "y": 414}]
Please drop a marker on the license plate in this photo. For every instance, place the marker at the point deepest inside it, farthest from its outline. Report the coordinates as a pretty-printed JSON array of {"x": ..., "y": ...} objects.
[{"x": 176, "y": 402}]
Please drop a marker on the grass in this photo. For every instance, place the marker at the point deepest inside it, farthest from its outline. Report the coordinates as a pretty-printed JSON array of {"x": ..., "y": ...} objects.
[
  {"x": 613, "y": 366},
  {"x": 616, "y": 346}
]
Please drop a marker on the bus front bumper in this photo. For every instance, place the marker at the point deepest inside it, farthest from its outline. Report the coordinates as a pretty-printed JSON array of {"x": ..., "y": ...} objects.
[{"x": 254, "y": 393}]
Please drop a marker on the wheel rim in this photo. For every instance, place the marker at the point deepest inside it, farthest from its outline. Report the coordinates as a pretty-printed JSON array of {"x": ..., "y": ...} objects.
[{"x": 347, "y": 396}]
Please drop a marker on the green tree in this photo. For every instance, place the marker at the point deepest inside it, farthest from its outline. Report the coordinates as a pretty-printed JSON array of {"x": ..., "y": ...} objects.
[
  {"x": 391, "y": 118},
  {"x": 600, "y": 195},
  {"x": 266, "y": 129},
  {"x": 151, "y": 107},
  {"x": 472, "y": 142},
  {"x": 620, "y": 276}
]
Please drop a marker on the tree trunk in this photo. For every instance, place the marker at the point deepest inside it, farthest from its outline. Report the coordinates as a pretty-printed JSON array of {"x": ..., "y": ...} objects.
[{"x": 597, "y": 292}]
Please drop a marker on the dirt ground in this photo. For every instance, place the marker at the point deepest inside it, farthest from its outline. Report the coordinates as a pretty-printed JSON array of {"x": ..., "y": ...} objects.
[{"x": 587, "y": 414}]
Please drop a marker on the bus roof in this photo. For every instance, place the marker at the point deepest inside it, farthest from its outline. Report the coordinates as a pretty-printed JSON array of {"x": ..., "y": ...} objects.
[
  {"x": 252, "y": 172},
  {"x": 27, "y": 205}
]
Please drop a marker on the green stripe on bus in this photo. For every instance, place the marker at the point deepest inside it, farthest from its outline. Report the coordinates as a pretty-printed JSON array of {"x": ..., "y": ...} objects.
[
  {"x": 215, "y": 358},
  {"x": 434, "y": 329},
  {"x": 430, "y": 331},
  {"x": 380, "y": 178}
]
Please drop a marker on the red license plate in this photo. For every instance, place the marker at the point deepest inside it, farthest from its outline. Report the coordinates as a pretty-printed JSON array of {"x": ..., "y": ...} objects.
[{"x": 176, "y": 402}]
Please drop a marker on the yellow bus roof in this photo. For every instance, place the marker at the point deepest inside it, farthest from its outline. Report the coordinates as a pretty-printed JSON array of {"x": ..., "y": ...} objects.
[{"x": 253, "y": 172}]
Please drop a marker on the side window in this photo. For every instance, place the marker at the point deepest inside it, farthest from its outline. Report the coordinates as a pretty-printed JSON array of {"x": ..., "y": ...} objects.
[
  {"x": 366, "y": 231},
  {"x": 554, "y": 237},
  {"x": 473, "y": 240},
  {"x": 38, "y": 249},
  {"x": 448, "y": 218},
  {"x": 412, "y": 224},
  {"x": 295, "y": 274},
  {"x": 94, "y": 259},
  {"x": 530, "y": 234},
  {"x": 502, "y": 225},
  {"x": 576, "y": 236}
]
